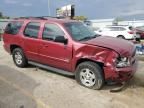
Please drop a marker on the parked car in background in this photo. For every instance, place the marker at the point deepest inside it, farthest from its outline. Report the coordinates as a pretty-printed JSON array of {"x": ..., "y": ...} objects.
[
  {"x": 140, "y": 31},
  {"x": 87, "y": 22},
  {"x": 69, "y": 47},
  {"x": 124, "y": 32}
]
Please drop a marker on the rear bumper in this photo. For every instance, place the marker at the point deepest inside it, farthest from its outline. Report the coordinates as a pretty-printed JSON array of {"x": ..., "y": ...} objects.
[{"x": 120, "y": 74}]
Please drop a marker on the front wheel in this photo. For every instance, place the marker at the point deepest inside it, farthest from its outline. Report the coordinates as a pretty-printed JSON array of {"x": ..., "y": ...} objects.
[
  {"x": 89, "y": 74},
  {"x": 19, "y": 57}
]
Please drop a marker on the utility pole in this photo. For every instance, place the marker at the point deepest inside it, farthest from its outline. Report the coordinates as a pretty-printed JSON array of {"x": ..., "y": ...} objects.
[{"x": 49, "y": 12}]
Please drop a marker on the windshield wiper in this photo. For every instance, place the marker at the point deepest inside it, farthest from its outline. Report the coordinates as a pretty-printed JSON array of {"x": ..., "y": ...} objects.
[{"x": 88, "y": 37}]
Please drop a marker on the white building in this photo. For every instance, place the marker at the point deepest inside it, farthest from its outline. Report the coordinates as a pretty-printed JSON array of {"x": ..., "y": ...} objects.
[
  {"x": 101, "y": 22},
  {"x": 105, "y": 22},
  {"x": 3, "y": 23}
]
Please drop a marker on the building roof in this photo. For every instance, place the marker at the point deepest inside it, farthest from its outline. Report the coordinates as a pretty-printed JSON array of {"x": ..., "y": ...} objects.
[{"x": 102, "y": 20}]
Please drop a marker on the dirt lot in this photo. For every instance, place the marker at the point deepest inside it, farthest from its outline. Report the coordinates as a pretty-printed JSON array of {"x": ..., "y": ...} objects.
[{"x": 31, "y": 88}]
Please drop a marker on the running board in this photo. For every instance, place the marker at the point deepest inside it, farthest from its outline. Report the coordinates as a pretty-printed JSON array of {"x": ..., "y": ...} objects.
[{"x": 51, "y": 68}]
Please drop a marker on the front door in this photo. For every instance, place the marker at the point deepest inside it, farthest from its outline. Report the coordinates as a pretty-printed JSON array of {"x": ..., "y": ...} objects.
[{"x": 53, "y": 53}]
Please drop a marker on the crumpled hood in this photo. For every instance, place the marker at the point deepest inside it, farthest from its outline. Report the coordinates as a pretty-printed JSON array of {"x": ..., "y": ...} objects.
[{"x": 121, "y": 46}]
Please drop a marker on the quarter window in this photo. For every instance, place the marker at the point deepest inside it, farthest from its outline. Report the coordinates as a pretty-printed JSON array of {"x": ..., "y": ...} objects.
[
  {"x": 122, "y": 29},
  {"x": 51, "y": 31},
  {"x": 32, "y": 30},
  {"x": 117, "y": 28},
  {"x": 13, "y": 28}
]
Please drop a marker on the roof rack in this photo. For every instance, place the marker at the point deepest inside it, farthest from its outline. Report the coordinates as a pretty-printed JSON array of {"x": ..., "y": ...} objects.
[
  {"x": 52, "y": 17},
  {"x": 40, "y": 17}
]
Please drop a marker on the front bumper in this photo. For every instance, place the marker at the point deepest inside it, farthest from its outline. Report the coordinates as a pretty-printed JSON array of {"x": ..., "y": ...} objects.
[{"x": 120, "y": 74}]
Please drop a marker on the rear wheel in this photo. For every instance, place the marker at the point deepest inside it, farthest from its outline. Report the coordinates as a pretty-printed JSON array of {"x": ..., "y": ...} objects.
[
  {"x": 19, "y": 57},
  {"x": 121, "y": 37},
  {"x": 89, "y": 74}
]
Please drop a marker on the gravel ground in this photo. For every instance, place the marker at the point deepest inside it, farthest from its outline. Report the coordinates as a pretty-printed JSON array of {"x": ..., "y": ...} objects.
[{"x": 31, "y": 88}]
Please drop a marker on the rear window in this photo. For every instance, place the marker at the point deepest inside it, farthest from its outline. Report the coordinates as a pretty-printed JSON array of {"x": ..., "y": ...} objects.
[{"x": 13, "y": 27}]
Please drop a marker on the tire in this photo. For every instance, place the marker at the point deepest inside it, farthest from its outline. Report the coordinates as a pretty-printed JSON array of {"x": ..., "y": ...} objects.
[
  {"x": 121, "y": 37},
  {"x": 19, "y": 58},
  {"x": 90, "y": 75}
]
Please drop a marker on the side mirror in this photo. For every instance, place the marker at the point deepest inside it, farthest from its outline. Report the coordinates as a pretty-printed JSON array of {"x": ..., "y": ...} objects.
[{"x": 61, "y": 39}]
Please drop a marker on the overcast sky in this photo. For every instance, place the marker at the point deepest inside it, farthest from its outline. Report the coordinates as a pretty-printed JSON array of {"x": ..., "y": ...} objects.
[{"x": 93, "y": 9}]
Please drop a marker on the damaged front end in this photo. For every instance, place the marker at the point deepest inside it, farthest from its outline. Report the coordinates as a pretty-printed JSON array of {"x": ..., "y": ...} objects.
[{"x": 119, "y": 69}]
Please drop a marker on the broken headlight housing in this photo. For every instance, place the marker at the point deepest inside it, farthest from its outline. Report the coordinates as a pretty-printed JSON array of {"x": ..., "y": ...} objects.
[{"x": 122, "y": 62}]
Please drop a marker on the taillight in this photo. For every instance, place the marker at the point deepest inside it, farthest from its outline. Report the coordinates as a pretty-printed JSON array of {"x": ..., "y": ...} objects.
[{"x": 131, "y": 32}]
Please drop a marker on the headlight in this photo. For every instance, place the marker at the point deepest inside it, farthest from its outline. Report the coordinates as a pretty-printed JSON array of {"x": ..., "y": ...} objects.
[{"x": 122, "y": 62}]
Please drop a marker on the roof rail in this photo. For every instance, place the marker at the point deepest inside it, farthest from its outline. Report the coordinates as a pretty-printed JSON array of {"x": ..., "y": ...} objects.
[
  {"x": 40, "y": 17},
  {"x": 52, "y": 17}
]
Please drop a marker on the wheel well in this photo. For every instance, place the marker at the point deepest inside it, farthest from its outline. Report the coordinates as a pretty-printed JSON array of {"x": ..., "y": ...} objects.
[
  {"x": 12, "y": 47},
  {"x": 84, "y": 60},
  {"x": 99, "y": 63},
  {"x": 121, "y": 36}
]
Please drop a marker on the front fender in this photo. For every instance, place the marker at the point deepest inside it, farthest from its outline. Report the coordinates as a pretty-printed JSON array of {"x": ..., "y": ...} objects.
[{"x": 92, "y": 53}]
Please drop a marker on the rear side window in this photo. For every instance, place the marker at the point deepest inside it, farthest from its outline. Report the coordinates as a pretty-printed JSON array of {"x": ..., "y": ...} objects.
[
  {"x": 117, "y": 29},
  {"x": 13, "y": 27},
  {"x": 114, "y": 29},
  {"x": 122, "y": 29},
  {"x": 32, "y": 30},
  {"x": 51, "y": 31}
]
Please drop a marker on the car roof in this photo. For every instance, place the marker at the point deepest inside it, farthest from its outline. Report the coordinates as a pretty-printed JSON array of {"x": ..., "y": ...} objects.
[
  {"x": 55, "y": 20},
  {"x": 119, "y": 26}
]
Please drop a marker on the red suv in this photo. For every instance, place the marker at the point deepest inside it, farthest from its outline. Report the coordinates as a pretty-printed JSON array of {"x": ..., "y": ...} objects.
[{"x": 70, "y": 48}]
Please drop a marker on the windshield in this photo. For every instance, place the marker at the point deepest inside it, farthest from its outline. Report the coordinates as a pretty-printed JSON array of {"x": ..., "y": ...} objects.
[{"x": 79, "y": 31}]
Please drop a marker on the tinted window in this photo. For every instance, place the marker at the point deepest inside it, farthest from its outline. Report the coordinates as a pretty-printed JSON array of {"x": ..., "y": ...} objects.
[
  {"x": 51, "y": 31},
  {"x": 122, "y": 29},
  {"x": 113, "y": 29},
  {"x": 32, "y": 30},
  {"x": 13, "y": 28},
  {"x": 117, "y": 28}
]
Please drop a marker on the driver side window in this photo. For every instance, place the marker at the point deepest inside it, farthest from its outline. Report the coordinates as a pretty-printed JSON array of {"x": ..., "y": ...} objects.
[{"x": 51, "y": 31}]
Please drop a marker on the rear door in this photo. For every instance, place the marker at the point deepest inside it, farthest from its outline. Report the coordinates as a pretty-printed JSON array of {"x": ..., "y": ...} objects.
[{"x": 31, "y": 40}]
